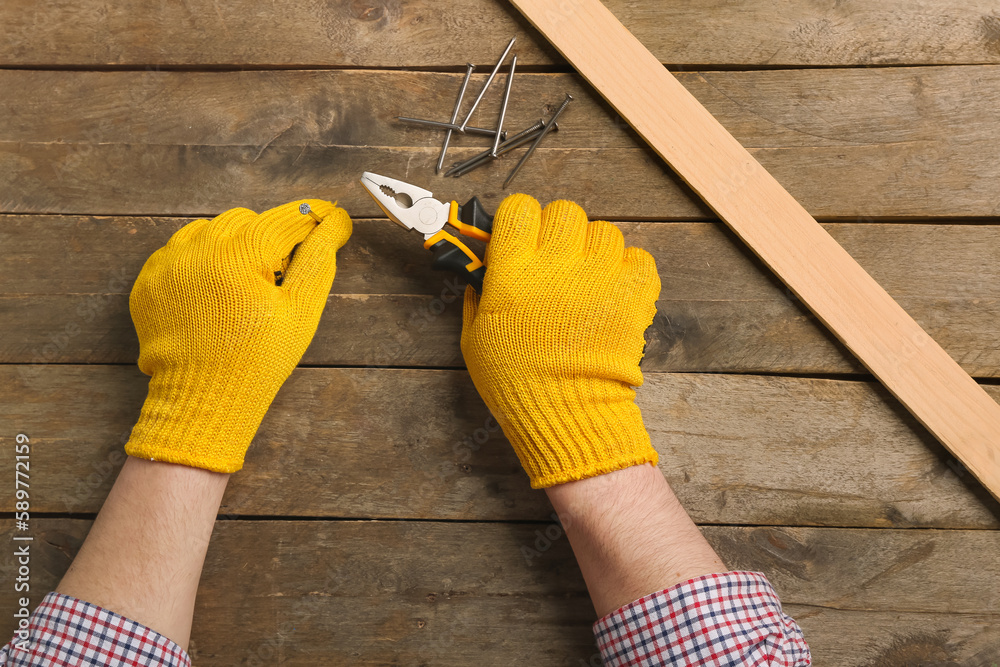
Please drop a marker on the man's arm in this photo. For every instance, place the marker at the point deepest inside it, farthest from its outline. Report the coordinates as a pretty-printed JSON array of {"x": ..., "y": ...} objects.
[
  {"x": 662, "y": 593},
  {"x": 630, "y": 535},
  {"x": 553, "y": 346},
  {"x": 143, "y": 556},
  {"x": 223, "y": 318}
]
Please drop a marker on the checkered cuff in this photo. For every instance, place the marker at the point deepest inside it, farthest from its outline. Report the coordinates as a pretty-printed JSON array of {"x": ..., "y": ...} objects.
[
  {"x": 66, "y": 631},
  {"x": 732, "y": 619}
]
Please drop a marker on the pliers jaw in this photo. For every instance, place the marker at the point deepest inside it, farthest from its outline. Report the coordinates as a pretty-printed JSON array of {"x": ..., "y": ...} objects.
[
  {"x": 415, "y": 208},
  {"x": 424, "y": 214}
]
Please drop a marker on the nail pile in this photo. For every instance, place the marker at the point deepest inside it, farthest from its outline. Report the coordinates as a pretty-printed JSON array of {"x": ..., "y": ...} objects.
[{"x": 501, "y": 144}]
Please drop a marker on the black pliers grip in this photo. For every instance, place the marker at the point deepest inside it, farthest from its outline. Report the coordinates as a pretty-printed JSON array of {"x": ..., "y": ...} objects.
[{"x": 450, "y": 254}]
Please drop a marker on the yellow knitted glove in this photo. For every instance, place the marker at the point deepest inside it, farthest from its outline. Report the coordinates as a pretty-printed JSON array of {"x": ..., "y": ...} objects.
[
  {"x": 554, "y": 343},
  {"x": 219, "y": 336}
]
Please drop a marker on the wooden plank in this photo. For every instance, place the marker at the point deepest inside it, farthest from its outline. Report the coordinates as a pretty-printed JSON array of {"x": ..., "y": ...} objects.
[
  {"x": 896, "y": 638},
  {"x": 442, "y": 33},
  {"x": 898, "y": 142},
  {"x": 718, "y": 311},
  {"x": 409, "y": 593},
  {"x": 855, "y": 308},
  {"x": 341, "y": 442}
]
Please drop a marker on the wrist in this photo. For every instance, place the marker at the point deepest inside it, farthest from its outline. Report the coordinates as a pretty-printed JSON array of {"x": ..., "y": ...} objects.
[
  {"x": 630, "y": 535},
  {"x": 612, "y": 502}
]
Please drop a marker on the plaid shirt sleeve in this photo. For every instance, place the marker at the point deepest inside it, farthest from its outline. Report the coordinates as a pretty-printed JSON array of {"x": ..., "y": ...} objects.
[
  {"x": 66, "y": 631},
  {"x": 732, "y": 620}
]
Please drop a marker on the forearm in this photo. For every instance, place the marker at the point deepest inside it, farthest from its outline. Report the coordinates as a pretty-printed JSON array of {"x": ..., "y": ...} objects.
[
  {"x": 151, "y": 536},
  {"x": 630, "y": 535}
]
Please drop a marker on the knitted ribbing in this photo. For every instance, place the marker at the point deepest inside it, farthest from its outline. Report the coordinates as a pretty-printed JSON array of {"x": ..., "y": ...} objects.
[
  {"x": 553, "y": 344},
  {"x": 219, "y": 336}
]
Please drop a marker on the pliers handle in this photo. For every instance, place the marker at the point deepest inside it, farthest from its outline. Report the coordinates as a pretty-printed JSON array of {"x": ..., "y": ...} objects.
[{"x": 450, "y": 254}]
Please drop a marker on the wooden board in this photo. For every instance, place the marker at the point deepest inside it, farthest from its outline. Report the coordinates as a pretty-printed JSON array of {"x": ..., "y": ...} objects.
[
  {"x": 780, "y": 231},
  {"x": 296, "y": 592},
  {"x": 445, "y": 33},
  {"x": 446, "y": 581},
  {"x": 850, "y": 144},
  {"x": 421, "y": 444},
  {"x": 718, "y": 311}
]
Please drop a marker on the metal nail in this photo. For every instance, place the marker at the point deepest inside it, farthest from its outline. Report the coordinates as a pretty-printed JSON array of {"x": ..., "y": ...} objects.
[
  {"x": 306, "y": 209},
  {"x": 447, "y": 126},
  {"x": 503, "y": 105},
  {"x": 509, "y": 145},
  {"x": 483, "y": 159},
  {"x": 454, "y": 116},
  {"x": 504, "y": 147},
  {"x": 534, "y": 128},
  {"x": 538, "y": 140},
  {"x": 463, "y": 127},
  {"x": 516, "y": 141}
]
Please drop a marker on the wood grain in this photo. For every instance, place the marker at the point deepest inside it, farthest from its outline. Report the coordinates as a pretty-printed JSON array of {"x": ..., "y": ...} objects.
[
  {"x": 850, "y": 144},
  {"x": 421, "y": 445},
  {"x": 855, "y": 308},
  {"x": 446, "y": 32},
  {"x": 463, "y": 573},
  {"x": 64, "y": 282},
  {"x": 409, "y": 593}
]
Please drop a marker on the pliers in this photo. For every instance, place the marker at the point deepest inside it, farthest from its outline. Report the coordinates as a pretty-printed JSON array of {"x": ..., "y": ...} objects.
[{"x": 413, "y": 207}]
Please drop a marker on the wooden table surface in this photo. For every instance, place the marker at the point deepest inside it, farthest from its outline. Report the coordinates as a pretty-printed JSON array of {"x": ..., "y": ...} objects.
[{"x": 379, "y": 519}]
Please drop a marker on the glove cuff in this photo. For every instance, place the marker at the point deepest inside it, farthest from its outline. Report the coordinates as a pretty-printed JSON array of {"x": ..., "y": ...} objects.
[
  {"x": 208, "y": 425},
  {"x": 594, "y": 431}
]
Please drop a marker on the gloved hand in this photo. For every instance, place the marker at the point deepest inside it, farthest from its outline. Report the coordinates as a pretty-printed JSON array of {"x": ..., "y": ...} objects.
[
  {"x": 554, "y": 342},
  {"x": 219, "y": 336}
]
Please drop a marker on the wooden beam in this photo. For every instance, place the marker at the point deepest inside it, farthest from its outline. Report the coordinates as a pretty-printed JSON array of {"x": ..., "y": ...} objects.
[
  {"x": 849, "y": 144},
  {"x": 459, "y": 594},
  {"x": 441, "y": 33},
  {"x": 718, "y": 311},
  {"x": 339, "y": 442},
  {"x": 778, "y": 229}
]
